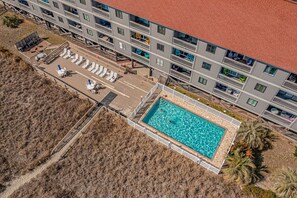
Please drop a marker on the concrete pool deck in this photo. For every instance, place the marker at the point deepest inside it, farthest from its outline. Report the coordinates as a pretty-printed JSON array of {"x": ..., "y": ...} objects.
[{"x": 225, "y": 143}]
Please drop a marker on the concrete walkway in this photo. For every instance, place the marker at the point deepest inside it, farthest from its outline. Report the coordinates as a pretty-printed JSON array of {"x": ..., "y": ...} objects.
[{"x": 19, "y": 182}]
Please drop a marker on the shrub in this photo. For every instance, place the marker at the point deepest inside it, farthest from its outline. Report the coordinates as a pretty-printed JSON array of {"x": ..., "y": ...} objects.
[
  {"x": 258, "y": 192},
  {"x": 286, "y": 182},
  {"x": 240, "y": 168},
  {"x": 255, "y": 136},
  {"x": 12, "y": 21}
]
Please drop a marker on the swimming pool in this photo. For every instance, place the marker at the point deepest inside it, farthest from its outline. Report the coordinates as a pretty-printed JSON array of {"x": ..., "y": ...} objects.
[{"x": 185, "y": 127}]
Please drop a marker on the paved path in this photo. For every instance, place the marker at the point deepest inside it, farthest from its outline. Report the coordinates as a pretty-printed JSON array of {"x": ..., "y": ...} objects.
[{"x": 19, "y": 182}]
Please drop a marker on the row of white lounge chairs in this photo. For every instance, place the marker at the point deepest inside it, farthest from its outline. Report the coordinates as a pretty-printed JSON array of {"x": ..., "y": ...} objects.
[{"x": 92, "y": 67}]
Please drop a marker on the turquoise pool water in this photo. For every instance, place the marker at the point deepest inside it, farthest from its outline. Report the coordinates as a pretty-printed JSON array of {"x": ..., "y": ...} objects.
[{"x": 184, "y": 126}]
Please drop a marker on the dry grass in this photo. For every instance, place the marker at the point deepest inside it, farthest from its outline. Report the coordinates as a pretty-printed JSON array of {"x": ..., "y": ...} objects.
[
  {"x": 27, "y": 27},
  {"x": 113, "y": 160},
  {"x": 281, "y": 155},
  {"x": 34, "y": 115}
]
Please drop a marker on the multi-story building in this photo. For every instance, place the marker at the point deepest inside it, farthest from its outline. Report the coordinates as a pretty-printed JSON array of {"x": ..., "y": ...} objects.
[{"x": 243, "y": 52}]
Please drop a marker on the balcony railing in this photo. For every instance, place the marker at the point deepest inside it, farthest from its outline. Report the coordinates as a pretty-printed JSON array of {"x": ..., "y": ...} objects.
[
  {"x": 103, "y": 42},
  {"x": 277, "y": 118},
  {"x": 49, "y": 17},
  {"x": 285, "y": 103},
  {"x": 75, "y": 28},
  {"x": 179, "y": 75},
  {"x": 140, "y": 58},
  {"x": 103, "y": 28},
  {"x": 290, "y": 85},
  {"x": 237, "y": 64},
  {"x": 71, "y": 1},
  {"x": 181, "y": 61},
  {"x": 101, "y": 12},
  {"x": 231, "y": 80},
  {"x": 225, "y": 94},
  {"x": 139, "y": 27},
  {"x": 44, "y": 3},
  {"x": 68, "y": 13},
  {"x": 184, "y": 44},
  {"x": 140, "y": 43}
]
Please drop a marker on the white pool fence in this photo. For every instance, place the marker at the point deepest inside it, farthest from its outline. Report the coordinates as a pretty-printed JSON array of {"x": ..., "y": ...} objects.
[{"x": 171, "y": 145}]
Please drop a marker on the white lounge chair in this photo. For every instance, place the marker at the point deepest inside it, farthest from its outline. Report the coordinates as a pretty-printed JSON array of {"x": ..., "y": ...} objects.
[
  {"x": 104, "y": 72},
  {"x": 95, "y": 69},
  {"x": 100, "y": 70},
  {"x": 68, "y": 54},
  {"x": 92, "y": 66},
  {"x": 114, "y": 77},
  {"x": 110, "y": 75},
  {"x": 75, "y": 58},
  {"x": 80, "y": 60},
  {"x": 86, "y": 64},
  {"x": 64, "y": 52}
]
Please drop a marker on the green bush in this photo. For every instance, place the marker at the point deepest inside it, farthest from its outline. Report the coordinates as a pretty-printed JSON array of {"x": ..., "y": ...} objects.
[
  {"x": 258, "y": 192},
  {"x": 295, "y": 154},
  {"x": 12, "y": 21}
]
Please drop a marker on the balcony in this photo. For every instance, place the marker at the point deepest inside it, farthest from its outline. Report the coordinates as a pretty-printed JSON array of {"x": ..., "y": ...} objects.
[
  {"x": 291, "y": 82},
  {"x": 44, "y": 2},
  {"x": 180, "y": 72},
  {"x": 74, "y": 26},
  {"x": 140, "y": 24},
  {"x": 232, "y": 77},
  {"x": 100, "y": 8},
  {"x": 140, "y": 40},
  {"x": 182, "y": 57},
  {"x": 24, "y": 3},
  {"x": 226, "y": 92},
  {"x": 48, "y": 15},
  {"x": 286, "y": 99},
  {"x": 71, "y": 1},
  {"x": 105, "y": 40},
  {"x": 185, "y": 41},
  {"x": 279, "y": 116},
  {"x": 140, "y": 55},
  {"x": 70, "y": 11},
  {"x": 239, "y": 61},
  {"x": 103, "y": 25}
]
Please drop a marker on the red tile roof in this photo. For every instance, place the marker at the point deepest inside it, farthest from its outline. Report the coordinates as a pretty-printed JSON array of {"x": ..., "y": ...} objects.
[{"x": 262, "y": 29}]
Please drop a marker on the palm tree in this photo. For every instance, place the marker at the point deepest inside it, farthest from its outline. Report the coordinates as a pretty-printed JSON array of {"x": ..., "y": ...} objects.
[
  {"x": 255, "y": 135},
  {"x": 286, "y": 183},
  {"x": 240, "y": 168}
]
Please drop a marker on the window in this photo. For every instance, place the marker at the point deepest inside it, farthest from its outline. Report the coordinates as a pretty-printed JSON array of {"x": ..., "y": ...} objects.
[
  {"x": 159, "y": 62},
  {"x": 82, "y": 2},
  {"x": 211, "y": 48},
  {"x": 60, "y": 19},
  {"x": 122, "y": 46},
  {"x": 56, "y": 5},
  {"x": 121, "y": 31},
  {"x": 160, "y": 47},
  {"x": 89, "y": 32},
  {"x": 270, "y": 70},
  {"x": 119, "y": 14},
  {"x": 252, "y": 102},
  {"x": 86, "y": 17},
  {"x": 202, "y": 80},
  {"x": 161, "y": 29},
  {"x": 260, "y": 88},
  {"x": 206, "y": 65}
]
